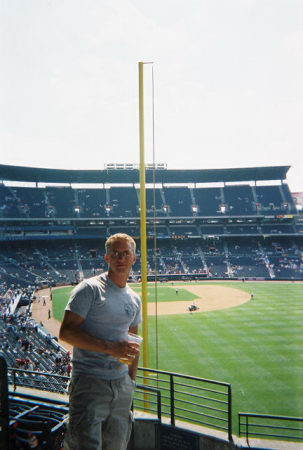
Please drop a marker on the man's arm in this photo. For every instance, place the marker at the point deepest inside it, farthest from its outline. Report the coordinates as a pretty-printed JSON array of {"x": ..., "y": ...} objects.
[
  {"x": 71, "y": 332},
  {"x": 132, "y": 368}
]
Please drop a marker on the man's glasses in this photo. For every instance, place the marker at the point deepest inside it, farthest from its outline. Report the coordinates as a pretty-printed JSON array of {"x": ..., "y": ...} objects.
[{"x": 126, "y": 254}]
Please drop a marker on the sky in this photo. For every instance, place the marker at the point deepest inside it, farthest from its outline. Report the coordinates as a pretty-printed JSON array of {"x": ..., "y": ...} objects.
[{"x": 225, "y": 88}]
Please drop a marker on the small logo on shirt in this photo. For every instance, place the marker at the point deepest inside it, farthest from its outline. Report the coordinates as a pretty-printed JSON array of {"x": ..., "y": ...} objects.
[{"x": 129, "y": 309}]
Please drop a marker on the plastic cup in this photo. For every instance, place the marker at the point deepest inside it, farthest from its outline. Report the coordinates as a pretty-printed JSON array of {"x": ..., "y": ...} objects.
[
  {"x": 131, "y": 337},
  {"x": 134, "y": 338}
]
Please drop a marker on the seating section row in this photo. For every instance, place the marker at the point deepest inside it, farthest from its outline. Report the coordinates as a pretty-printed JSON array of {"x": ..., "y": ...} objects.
[
  {"x": 64, "y": 262},
  {"x": 117, "y": 202}
]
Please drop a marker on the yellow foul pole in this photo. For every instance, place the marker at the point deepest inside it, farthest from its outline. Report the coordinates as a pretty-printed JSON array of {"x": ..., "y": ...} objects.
[{"x": 143, "y": 221}]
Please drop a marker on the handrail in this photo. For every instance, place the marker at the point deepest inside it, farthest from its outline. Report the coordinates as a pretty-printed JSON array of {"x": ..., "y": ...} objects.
[
  {"x": 30, "y": 377},
  {"x": 158, "y": 392},
  {"x": 263, "y": 429},
  {"x": 196, "y": 400},
  {"x": 191, "y": 403}
]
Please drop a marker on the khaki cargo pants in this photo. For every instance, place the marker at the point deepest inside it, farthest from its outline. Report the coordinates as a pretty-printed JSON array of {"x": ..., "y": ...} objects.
[{"x": 99, "y": 413}]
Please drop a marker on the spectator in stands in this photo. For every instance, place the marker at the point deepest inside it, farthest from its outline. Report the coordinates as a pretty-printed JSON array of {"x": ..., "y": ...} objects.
[
  {"x": 100, "y": 313},
  {"x": 20, "y": 362},
  {"x": 58, "y": 357},
  {"x": 33, "y": 442},
  {"x": 25, "y": 344},
  {"x": 68, "y": 369},
  {"x": 63, "y": 369}
]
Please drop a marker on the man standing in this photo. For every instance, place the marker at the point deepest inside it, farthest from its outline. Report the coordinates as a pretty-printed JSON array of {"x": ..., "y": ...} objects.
[{"x": 101, "y": 311}]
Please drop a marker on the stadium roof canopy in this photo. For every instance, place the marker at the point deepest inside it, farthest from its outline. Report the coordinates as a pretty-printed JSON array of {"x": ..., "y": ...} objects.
[{"x": 40, "y": 175}]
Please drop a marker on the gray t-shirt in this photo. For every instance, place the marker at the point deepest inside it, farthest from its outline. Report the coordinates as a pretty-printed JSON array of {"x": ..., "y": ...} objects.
[{"x": 108, "y": 312}]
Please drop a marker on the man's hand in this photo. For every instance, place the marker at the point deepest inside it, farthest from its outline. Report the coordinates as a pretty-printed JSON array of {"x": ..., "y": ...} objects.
[{"x": 123, "y": 349}]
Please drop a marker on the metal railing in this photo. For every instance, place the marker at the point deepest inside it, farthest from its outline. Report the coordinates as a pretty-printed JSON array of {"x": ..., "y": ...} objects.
[
  {"x": 268, "y": 426},
  {"x": 181, "y": 397},
  {"x": 190, "y": 399},
  {"x": 38, "y": 380},
  {"x": 154, "y": 401}
]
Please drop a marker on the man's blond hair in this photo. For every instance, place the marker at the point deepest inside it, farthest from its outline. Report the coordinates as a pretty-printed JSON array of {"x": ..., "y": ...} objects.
[{"x": 120, "y": 237}]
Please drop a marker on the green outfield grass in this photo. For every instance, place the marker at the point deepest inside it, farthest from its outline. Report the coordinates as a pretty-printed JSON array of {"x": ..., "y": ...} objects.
[{"x": 257, "y": 347}]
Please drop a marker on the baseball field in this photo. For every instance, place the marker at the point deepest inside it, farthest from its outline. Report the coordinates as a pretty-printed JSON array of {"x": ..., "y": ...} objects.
[{"x": 255, "y": 344}]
